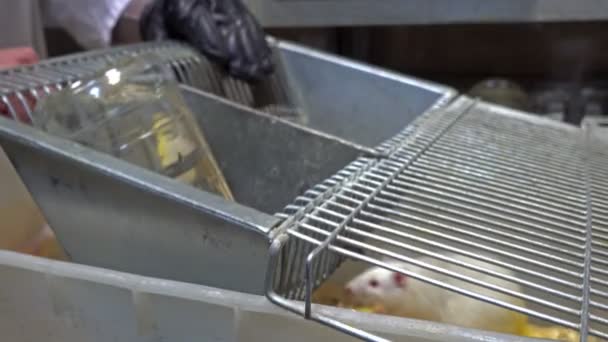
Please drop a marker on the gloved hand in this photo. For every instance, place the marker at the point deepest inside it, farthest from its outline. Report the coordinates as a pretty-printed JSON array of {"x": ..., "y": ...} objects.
[{"x": 223, "y": 30}]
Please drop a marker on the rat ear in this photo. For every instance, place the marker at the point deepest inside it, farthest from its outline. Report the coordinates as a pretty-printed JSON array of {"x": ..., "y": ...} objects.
[{"x": 399, "y": 279}]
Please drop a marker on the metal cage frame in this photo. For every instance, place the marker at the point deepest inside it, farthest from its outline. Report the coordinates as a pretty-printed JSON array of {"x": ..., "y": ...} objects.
[
  {"x": 507, "y": 181},
  {"x": 546, "y": 202}
]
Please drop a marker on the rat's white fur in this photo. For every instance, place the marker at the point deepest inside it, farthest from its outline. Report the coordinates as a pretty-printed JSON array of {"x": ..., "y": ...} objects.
[{"x": 421, "y": 300}]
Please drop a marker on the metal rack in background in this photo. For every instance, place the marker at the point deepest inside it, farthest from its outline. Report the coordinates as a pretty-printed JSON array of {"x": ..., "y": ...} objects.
[{"x": 478, "y": 180}]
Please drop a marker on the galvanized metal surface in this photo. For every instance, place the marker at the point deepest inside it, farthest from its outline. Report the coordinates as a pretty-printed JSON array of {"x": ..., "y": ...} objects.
[
  {"x": 266, "y": 161},
  {"x": 307, "y": 13},
  {"x": 286, "y": 256},
  {"x": 123, "y": 307},
  {"x": 597, "y": 126},
  {"x": 111, "y": 214},
  {"x": 102, "y": 208},
  {"x": 355, "y": 102},
  {"x": 478, "y": 180}
]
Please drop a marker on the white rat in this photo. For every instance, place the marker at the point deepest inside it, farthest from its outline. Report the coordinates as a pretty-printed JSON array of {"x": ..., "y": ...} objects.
[{"x": 404, "y": 296}]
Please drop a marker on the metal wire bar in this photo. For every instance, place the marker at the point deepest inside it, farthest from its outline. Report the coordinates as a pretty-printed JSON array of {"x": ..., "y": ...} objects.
[
  {"x": 310, "y": 271},
  {"x": 502, "y": 184},
  {"x": 504, "y": 138},
  {"x": 502, "y": 179},
  {"x": 274, "y": 254},
  {"x": 310, "y": 202},
  {"x": 485, "y": 228},
  {"x": 584, "y": 330},
  {"x": 480, "y": 146},
  {"x": 391, "y": 205},
  {"x": 450, "y": 248},
  {"x": 358, "y": 256},
  {"x": 429, "y": 252},
  {"x": 335, "y": 233},
  {"x": 454, "y": 275},
  {"x": 508, "y": 173},
  {"x": 458, "y": 209},
  {"x": 485, "y": 202},
  {"x": 479, "y": 246},
  {"x": 558, "y": 182},
  {"x": 313, "y": 198},
  {"x": 488, "y": 190},
  {"x": 498, "y": 188},
  {"x": 505, "y": 157}
]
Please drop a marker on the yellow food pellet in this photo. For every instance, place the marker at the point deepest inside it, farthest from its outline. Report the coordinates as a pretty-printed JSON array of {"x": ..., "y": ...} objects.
[{"x": 554, "y": 333}]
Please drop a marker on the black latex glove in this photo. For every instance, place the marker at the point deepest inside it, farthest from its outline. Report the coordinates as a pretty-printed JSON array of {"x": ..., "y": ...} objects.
[{"x": 223, "y": 30}]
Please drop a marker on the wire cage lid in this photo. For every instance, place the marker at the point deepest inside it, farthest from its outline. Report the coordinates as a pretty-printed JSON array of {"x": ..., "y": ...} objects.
[{"x": 503, "y": 206}]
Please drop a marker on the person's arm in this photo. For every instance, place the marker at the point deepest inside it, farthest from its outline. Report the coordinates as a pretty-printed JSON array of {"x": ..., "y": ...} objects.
[
  {"x": 89, "y": 22},
  {"x": 222, "y": 30},
  {"x": 127, "y": 29}
]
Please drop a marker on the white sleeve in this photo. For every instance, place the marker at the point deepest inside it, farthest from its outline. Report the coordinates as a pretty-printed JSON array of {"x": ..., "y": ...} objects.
[{"x": 90, "y": 22}]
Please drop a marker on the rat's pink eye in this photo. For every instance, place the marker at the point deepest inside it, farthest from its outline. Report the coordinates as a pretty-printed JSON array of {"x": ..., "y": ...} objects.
[{"x": 373, "y": 283}]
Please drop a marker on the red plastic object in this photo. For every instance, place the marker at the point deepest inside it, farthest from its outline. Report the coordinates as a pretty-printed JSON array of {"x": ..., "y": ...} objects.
[
  {"x": 17, "y": 107},
  {"x": 11, "y": 58},
  {"x": 17, "y": 56}
]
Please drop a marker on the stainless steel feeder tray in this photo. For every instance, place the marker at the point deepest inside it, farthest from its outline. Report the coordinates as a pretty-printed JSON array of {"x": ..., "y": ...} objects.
[{"x": 109, "y": 213}]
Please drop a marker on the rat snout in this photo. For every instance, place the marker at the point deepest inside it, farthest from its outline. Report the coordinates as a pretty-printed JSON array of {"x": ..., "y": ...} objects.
[{"x": 348, "y": 291}]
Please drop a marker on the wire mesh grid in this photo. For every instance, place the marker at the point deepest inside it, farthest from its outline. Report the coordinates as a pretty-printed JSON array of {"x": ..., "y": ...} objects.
[
  {"x": 21, "y": 88},
  {"x": 287, "y": 284},
  {"x": 505, "y": 209}
]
